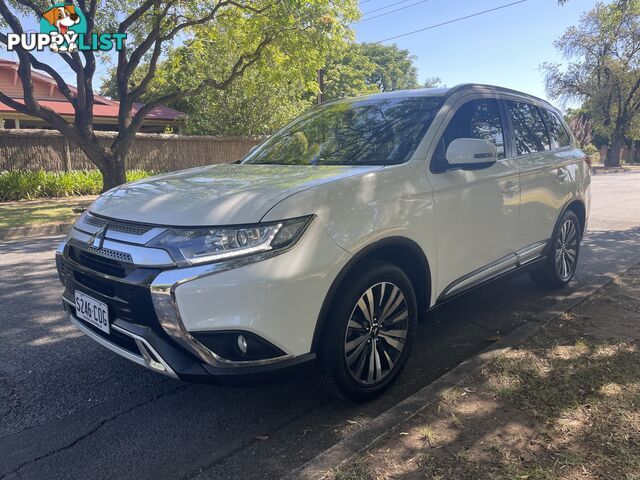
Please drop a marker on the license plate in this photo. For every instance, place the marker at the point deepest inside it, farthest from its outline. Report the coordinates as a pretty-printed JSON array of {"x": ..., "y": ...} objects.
[{"x": 93, "y": 311}]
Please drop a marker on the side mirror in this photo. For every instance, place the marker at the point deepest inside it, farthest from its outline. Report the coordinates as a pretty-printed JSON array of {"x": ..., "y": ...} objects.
[{"x": 471, "y": 153}]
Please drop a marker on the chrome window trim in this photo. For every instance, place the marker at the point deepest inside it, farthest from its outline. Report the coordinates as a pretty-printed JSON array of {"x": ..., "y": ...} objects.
[{"x": 144, "y": 360}]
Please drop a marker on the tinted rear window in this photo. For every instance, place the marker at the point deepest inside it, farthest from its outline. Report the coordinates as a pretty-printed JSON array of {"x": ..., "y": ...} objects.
[
  {"x": 528, "y": 128},
  {"x": 557, "y": 132}
]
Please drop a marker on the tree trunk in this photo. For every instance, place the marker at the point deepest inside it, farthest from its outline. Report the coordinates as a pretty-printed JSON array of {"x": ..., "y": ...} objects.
[
  {"x": 110, "y": 164},
  {"x": 613, "y": 156},
  {"x": 66, "y": 152},
  {"x": 113, "y": 175}
]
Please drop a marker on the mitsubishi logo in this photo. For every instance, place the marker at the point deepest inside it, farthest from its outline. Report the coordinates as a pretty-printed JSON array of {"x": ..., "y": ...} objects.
[{"x": 97, "y": 239}]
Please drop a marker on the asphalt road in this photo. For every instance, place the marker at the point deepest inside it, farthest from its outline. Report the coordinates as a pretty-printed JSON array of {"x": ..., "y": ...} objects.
[{"x": 71, "y": 409}]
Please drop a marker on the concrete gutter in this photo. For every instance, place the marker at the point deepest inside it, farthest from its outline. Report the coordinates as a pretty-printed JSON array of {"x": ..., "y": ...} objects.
[
  {"x": 34, "y": 231},
  {"x": 369, "y": 434},
  {"x": 602, "y": 170}
]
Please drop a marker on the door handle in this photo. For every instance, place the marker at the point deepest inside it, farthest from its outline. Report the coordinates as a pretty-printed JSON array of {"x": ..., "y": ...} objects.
[
  {"x": 511, "y": 188},
  {"x": 561, "y": 175}
]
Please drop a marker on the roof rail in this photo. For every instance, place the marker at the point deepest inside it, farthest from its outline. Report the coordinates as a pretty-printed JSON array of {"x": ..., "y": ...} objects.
[{"x": 464, "y": 86}]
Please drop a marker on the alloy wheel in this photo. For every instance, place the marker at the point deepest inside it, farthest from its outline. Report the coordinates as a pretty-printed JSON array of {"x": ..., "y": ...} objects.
[
  {"x": 376, "y": 333},
  {"x": 567, "y": 249}
]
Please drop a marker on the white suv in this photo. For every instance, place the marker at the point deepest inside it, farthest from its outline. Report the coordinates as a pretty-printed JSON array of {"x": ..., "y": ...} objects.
[{"x": 316, "y": 255}]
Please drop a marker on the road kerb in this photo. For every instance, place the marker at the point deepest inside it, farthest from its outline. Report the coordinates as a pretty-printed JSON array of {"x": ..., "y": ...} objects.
[
  {"x": 369, "y": 434},
  {"x": 34, "y": 231}
]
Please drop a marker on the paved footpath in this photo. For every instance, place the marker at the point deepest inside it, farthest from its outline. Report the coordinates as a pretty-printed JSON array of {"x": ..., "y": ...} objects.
[{"x": 71, "y": 409}]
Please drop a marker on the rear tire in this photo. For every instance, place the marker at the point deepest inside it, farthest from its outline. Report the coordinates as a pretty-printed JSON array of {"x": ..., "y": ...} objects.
[
  {"x": 562, "y": 261},
  {"x": 368, "y": 332}
]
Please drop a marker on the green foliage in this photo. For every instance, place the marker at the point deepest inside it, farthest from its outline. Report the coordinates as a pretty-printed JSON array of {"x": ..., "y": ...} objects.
[
  {"x": 346, "y": 73},
  {"x": 433, "y": 82},
  {"x": 266, "y": 97},
  {"x": 592, "y": 152},
  {"x": 277, "y": 87},
  {"x": 603, "y": 70},
  {"x": 260, "y": 102},
  {"x": 394, "y": 69},
  {"x": 369, "y": 68},
  {"x": 19, "y": 185},
  {"x": 281, "y": 85}
]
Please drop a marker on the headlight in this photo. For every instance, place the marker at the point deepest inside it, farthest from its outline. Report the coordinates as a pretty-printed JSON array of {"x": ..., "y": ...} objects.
[{"x": 206, "y": 245}]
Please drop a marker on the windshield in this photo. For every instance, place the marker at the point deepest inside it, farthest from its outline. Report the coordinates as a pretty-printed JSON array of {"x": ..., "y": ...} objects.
[{"x": 360, "y": 132}]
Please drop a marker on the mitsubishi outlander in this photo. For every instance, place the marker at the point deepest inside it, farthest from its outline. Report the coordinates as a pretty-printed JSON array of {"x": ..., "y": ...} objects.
[{"x": 316, "y": 254}]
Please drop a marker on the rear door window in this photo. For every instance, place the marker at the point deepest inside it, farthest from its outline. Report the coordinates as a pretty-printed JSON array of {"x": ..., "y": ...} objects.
[
  {"x": 529, "y": 129},
  {"x": 559, "y": 135}
]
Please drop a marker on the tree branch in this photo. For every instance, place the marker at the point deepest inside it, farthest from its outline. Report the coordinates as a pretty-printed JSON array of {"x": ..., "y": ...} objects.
[
  {"x": 632, "y": 92},
  {"x": 38, "y": 65},
  {"x": 135, "y": 16},
  {"x": 83, "y": 137},
  {"x": 89, "y": 13},
  {"x": 244, "y": 61},
  {"x": 141, "y": 89},
  {"x": 31, "y": 5},
  {"x": 70, "y": 61},
  {"x": 19, "y": 107},
  {"x": 207, "y": 18}
]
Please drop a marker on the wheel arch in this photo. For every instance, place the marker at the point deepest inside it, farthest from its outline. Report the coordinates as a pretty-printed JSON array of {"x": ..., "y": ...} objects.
[
  {"x": 401, "y": 251},
  {"x": 578, "y": 207}
]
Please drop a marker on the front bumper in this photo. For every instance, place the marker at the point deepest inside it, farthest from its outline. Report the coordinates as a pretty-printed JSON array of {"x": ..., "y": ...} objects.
[
  {"x": 159, "y": 354},
  {"x": 156, "y": 309}
]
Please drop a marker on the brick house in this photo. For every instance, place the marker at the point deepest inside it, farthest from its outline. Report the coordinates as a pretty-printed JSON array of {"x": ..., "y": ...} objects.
[{"x": 105, "y": 111}]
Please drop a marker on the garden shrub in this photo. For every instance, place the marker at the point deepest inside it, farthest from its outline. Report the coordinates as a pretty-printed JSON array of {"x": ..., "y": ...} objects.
[{"x": 27, "y": 184}]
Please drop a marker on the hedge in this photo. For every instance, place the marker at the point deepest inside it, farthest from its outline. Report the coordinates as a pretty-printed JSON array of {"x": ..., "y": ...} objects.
[{"x": 26, "y": 185}]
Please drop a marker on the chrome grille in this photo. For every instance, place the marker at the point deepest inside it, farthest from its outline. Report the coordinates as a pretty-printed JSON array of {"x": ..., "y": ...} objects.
[
  {"x": 130, "y": 228},
  {"x": 102, "y": 252}
]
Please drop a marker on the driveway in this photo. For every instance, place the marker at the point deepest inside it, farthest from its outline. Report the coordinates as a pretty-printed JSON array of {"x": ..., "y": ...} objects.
[{"x": 71, "y": 409}]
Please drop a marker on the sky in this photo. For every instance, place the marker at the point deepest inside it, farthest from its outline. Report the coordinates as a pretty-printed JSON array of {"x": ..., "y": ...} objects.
[{"x": 504, "y": 47}]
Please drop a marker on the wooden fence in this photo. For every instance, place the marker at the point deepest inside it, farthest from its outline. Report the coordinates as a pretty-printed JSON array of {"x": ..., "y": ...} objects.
[
  {"x": 628, "y": 155},
  {"x": 48, "y": 150}
]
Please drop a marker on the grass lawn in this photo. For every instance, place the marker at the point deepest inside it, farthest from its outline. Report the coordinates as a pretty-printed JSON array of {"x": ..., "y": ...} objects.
[
  {"x": 563, "y": 405},
  {"x": 40, "y": 212}
]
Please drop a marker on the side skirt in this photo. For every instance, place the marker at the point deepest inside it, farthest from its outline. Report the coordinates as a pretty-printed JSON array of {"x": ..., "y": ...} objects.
[{"x": 518, "y": 265}]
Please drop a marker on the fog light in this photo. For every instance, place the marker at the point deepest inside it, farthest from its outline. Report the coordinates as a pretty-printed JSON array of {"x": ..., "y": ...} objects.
[
  {"x": 238, "y": 346},
  {"x": 242, "y": 344}
]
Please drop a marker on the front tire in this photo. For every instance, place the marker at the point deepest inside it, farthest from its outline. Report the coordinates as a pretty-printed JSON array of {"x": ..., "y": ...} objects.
[
  {"x": 562, "y": 261},
  {"x": 368, "y": 333}
]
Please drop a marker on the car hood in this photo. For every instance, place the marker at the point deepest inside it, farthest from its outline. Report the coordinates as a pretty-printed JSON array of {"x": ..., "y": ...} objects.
[{"x": 215, "y": 195}]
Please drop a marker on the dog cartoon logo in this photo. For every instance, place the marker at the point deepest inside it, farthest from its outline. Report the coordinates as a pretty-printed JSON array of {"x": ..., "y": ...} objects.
[
  {"x": 65, "y": 20},
  {"x": 63, "y": 28}
]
